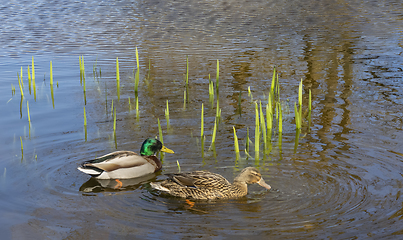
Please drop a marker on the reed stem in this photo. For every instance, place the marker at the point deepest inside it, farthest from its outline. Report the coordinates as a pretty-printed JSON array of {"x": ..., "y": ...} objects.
[
  {"x": 51, "y": 73},
  {"x": 85, "y": 118},
  {"x": 160, "y": 131},
  {"x": 33, "y": 77},
  {"x": 29, "y": 116},
  {"x": 236, "y": 144},
  {"x": 257, "y": 133}
]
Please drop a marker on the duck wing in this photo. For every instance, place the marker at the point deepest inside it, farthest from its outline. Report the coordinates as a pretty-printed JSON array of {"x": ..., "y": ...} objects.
[
  {"x": 116, "y": 160},
  {"x": 199, "y": 179}
]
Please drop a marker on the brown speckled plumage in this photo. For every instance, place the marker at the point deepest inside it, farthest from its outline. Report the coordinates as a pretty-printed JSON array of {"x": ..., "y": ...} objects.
[{"x": 206, "y": 185}]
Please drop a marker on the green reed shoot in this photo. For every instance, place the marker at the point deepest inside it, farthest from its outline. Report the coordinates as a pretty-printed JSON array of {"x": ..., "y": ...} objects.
[
  {"x": 297, "y": 116},
  {"x": 136, "y": 81},
  {"x": 236, "y": 144},
  {"x": 263, "y": 125},
  {"x": 51, "y": 73},
  {"x": 29, "y": 80},
  {"x": 269, "y": 115},
  {"x": 29, "y": 116},
  {"x": 273, "y": 81},
  {"x": 257, "y": 133},
  {"x": 85, "y": 118},
  {"x": 218, "y": 110},
  {"x": 22, "y": 99},
  {"x": 214, "y": 134},
  {"x": 202, "y": 122},
  {"x": 33, "y": 77},
  {"x": 22, "y": 146},
  {"x": 167, "y": 114},
  {"x": 280, "y": 118},
  {"x": 160, "y": 131},
  {"x": 250, "y": 94},
  {"x": 210, "y": 90},
  {"x": 81, "y": 70},
  {"x": 52, "y": 95},
  {"x": 137, "y": 76},
  {"x": 12, "y": 89},
  {"x": 130, "y": 105},
  {"x": 217, "y": 77},
  {"x": 20, "y": 84},
  {"x": 117, "y": 70},
  {"x": 117, "y": 78},
  {"x": 300, "y": 94},
  {"x": 137, "y": 59},
  {"x": 179, "y": 166},
  {"x": 114, "y": 121}
]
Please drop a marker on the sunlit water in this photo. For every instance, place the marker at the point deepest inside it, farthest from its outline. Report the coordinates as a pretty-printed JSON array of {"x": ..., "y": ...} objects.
[{"x": 342, "y": 179}]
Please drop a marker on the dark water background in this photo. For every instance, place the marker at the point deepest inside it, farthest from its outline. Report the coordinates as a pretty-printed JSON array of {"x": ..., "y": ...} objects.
[{"x": 342, "y": 180}]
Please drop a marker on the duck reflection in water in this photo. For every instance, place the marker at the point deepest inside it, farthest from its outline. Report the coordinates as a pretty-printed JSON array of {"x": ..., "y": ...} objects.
[{"x": 95, "y": 185}]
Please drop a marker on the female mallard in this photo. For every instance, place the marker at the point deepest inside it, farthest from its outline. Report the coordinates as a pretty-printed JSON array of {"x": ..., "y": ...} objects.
[
  {"x": 207, "y": 185},
  {"x": 126, "y": 164}
]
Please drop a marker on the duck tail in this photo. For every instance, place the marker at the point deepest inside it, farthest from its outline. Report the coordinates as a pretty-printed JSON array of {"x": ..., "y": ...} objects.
[{"x": 93, "y": 171}]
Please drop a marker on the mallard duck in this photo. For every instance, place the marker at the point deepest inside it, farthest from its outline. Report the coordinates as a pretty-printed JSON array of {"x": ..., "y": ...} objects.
[
  {"x": 207, "y": 185},
  {"x": 126, "y": 164}
]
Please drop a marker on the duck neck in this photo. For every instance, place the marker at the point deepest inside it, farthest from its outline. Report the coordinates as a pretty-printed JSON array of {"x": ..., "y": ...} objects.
[{"x": 240, "y": 186}]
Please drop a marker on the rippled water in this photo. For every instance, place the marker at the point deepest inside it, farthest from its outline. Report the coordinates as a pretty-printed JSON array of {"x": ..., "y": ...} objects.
[{"x": 342, "y": 179}]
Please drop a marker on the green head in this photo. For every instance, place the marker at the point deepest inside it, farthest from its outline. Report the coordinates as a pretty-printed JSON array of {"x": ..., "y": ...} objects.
[{"x": 151, "y": 146}]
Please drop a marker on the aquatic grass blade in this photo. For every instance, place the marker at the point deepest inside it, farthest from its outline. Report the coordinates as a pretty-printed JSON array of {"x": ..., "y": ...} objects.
[
  {"x": 85, "y": 118},
  {"x": 300, "y": 94},
  {"x": 297, "y": 116},
  {"x": 137, "y": 60},
  {"x": 160, "y": 131},
  {"x": 280, "y": 119},
  {"x": 22, "y": 81},
  {"x": 257, "y": 133},
  {"x": 19, "y": 84},
  {"x": 29, "y": 80},
  {"x": 214, "y": 134},
  {"x": 236, "y": 144},
  {"x": 117, "y": 79},
  {"x": 33, "y": 77},
  {"x": 22, "y": 148},
  {"x": 273, "y": 81},
  {"x": 29, "y": 117},
  {"x": 167, "y": 115},
  {"x": 51, "y": 73}
]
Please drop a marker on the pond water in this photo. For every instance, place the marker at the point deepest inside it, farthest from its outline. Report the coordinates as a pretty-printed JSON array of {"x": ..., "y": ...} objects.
[{"x": 340, "y": 178}]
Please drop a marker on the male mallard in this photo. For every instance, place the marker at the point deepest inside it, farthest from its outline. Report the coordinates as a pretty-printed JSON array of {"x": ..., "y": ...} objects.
[
  {"x": 207, "y": 185},
  {"x": 126, "y": 164}
]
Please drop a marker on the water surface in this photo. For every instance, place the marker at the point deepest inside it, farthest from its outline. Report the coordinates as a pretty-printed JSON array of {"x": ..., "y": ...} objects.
[{"x": 342, "y": 179}]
